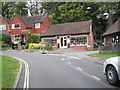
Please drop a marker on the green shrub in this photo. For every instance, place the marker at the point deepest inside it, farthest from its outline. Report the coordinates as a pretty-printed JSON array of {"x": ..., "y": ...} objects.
[
  {"x": 5, "y": 38},
  {"x": 4, "y": 44},
  {"x": 99, "y": 41},
  {"x": 17, "y": 38},
  {"x": 34, "y": 46},
  {"x": 48, "y": 47},
  {"x": 42, "y": 45},
  {"x": 23, "y": 46},
  {"x": 33, "y": 38}
]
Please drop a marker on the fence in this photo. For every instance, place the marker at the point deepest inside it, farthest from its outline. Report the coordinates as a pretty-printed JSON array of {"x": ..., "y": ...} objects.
[{"x": 110, "y": 48}]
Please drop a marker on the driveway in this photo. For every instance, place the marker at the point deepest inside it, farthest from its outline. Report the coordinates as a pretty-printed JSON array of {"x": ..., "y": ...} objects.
[{"x": 61, "y": 71}]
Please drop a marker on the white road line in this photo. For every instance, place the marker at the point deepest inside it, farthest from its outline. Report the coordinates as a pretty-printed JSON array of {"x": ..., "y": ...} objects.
[
  {"x": 79, "y": 68},
  {"x": 76, "y": 58},
  {"x": 26, "y": 80},
  {"x": 95, "y": 77},
  {"x": 68, "y": 62},
  {"x": 63, "y": 59},
  {"x": 63, "y": 55}
]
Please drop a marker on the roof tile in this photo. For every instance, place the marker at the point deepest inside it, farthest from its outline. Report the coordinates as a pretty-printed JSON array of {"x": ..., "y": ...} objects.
[
  {"x": 114, "y": 28},
  {"x": 67, "y": 28},
  {"x": 29, "y": 21}
]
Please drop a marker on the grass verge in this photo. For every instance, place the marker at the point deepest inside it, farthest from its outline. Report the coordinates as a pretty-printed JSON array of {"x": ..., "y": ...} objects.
[
  {"x": 10, "y": 68},
  {"x": 104, "y": 55}
]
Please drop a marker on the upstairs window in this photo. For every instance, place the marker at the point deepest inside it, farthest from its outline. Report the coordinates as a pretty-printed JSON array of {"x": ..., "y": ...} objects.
[
  {"x": 2, "y": 27},
  {"x": 15, "y": 26},
  {"x": 37, "y": 25}
]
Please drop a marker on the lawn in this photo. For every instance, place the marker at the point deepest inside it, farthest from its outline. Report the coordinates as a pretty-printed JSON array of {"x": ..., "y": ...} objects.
[
  {"x": 105, "y": 55},
  {"x": 10, "y": 68}
]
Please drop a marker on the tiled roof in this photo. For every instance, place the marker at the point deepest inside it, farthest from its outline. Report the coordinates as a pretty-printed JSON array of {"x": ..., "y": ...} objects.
[
  {"x": 114, "y": 28},
  {"x": 29, "y": 21},
  {"x": 67, "y": 28},
  {"x": 8, "y": 20}
]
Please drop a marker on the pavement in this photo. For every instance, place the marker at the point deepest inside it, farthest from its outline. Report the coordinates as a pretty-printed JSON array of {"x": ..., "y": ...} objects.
[{"x": 80, "y": 54}]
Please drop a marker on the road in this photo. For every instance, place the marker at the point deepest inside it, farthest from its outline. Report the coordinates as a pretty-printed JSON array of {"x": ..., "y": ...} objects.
[{"x": 60, "y": 71}]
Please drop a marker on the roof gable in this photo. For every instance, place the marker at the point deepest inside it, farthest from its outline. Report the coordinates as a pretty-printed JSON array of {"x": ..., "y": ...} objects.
[
  {"x": 114, "y": 28},
  {"x": 6, "y": 19},
  {"x": 29, "y": 21},
  {"x": 67, "y": 28}
]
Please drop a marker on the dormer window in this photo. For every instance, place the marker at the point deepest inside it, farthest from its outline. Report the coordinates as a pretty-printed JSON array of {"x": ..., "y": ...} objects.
[
  {"x": 37, "y": 25},
  {"x": 15, "y": 26}
]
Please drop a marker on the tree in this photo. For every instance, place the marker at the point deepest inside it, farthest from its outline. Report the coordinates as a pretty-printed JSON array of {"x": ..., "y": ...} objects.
[
  {"x": 112, "y": 9},
  {"x": 9, "y": 9},
  {"x": 99, "y": 13},
  {"x": 34, "y": 8},
  {"x": 6, "y": 10}
]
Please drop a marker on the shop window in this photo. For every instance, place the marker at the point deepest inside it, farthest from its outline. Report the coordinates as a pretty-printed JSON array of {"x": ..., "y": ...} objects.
[
  {"x": 50, "y": 41},
  {"x": 78, "y": 40}
]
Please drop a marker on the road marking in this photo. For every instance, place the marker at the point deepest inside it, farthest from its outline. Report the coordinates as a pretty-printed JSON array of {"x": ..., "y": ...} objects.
[
  {"x": 26, "y": 80},
  {"x": 63, "y": 55},
  {"x": 69, "y": 63},
  {"x": 76, "y": 58},
  {"x": 79, "y": 68},
  {"x": 95, "y": 77},
  {"x": 63, "y": 59}
]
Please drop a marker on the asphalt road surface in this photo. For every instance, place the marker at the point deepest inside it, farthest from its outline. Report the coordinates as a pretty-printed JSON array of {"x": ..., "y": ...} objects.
[{"x": 60, "y": 71}]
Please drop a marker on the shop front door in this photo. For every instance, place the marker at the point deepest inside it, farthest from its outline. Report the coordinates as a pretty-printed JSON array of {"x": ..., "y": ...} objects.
[{"x": 63, "y": 42}]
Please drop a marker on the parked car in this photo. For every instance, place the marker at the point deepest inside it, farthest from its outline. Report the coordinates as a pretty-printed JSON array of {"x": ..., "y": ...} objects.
[{"x": 112, "y": 70}]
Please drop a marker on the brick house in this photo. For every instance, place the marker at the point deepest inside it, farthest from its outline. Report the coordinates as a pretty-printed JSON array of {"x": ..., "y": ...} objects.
[
  {"x": 112, "y": 35},
  {"x": 4, "y": 24},
  {"x": 76, "y": 35},
  {"x": 21, "y": 25}
]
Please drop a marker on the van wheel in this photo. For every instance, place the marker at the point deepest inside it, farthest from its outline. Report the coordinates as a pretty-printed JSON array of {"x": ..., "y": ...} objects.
[{"x": 111, "y": 75}]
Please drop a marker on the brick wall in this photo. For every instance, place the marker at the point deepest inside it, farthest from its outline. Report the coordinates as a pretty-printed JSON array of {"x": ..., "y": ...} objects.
[
  {"x": 3, "y": 22},
  {"x": 42, "y": 26}
]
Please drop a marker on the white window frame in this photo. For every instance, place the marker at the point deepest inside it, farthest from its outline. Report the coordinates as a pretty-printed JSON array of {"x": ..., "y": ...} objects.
[
  {"x": 79, "y": 44},
  {"x": 13, "y": 37},
  {"x": 13, "y": 26},
  {"x": 3, "y": 27},
  {"x": 37, "y": 25},
  {"x": 50, "y": 38}
]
